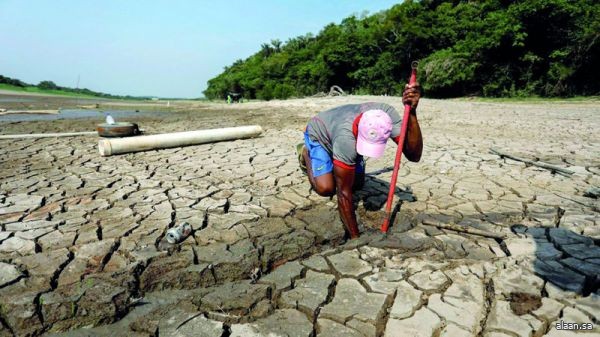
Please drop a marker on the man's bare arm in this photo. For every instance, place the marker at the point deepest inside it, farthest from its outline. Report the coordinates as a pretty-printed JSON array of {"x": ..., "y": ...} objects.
[
  {"x": 413, "y": 143},
  {"x": 344, "y": 179}
]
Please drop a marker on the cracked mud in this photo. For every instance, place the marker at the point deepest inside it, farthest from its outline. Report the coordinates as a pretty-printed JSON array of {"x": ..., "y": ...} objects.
[{"x": 82, "y": 248}]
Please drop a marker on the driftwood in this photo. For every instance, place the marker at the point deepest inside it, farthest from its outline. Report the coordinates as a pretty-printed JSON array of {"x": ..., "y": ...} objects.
[
  {"x": 333, "y": 91},
  {"x": 336, "y": 91},
  {"x": 462, "y": 229},
  {"x": 553, "y": 168}
]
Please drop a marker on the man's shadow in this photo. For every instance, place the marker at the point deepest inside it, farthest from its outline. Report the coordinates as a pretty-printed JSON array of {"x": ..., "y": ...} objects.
[{"x": 565, "y": 259}]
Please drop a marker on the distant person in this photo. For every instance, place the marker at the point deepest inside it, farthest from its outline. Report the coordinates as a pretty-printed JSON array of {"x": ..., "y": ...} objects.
[
  {"x": 336, "y": 140},
  {"x": 228, "y": 99}
]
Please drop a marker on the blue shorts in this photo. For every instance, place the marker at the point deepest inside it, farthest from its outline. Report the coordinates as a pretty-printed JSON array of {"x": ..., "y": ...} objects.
[{"x": 321, "y": 161}]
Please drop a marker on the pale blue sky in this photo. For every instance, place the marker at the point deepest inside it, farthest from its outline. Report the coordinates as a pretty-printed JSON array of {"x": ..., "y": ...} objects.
[{"x": 162, "y": 48}]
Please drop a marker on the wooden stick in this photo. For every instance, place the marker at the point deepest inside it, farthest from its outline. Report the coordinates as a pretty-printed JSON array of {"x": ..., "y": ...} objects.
[
  {"x": 49, "y": 135},
  {"x": 546, "y": 166},
  {"x": 11, "y": 112},
  {"x": 462, "y": 229}
]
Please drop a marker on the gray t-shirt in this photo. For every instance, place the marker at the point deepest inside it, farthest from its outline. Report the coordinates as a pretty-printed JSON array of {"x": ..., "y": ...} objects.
[{"x": 333, "y": 128}]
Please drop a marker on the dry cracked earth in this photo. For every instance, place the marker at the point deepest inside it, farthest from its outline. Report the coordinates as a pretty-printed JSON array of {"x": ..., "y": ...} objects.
[{"x": 82, "y": 248}]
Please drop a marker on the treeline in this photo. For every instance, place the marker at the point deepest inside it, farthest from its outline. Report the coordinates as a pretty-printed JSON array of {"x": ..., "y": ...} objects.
[
  {"x": 12, "y": 81},
  {"x": 49, "y": 85},
  {"x": 486, "y": 48}
]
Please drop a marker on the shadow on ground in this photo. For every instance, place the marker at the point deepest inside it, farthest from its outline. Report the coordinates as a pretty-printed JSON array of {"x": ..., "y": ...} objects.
[
  {"x": 561, "y": 257},
  {"x": 564, "y": 258}
]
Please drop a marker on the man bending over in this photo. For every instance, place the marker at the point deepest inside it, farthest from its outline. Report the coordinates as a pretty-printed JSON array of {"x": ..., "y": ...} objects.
[{"x": 336, "y": 140}]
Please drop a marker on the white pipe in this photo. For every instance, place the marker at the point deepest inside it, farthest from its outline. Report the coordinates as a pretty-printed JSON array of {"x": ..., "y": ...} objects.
[
  {"x": 49, "y": 135},
  {"x": 109, "y": 147}
]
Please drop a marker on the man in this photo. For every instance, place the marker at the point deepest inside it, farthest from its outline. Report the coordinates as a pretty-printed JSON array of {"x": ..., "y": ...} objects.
[{"x": 336, "y": 140}]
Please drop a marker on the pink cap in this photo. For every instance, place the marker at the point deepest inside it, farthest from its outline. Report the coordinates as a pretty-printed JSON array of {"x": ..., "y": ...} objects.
[{"x": 374, "y": 129}]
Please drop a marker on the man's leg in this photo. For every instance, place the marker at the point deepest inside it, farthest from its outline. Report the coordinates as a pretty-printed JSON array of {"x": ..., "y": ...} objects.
[
  {"x": 323, "y": 184},
  {"x": 319, "y": 167}
]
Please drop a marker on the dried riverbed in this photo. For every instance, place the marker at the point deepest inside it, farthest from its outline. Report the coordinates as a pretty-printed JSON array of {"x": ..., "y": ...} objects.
[{"x": 81, "y": 239}]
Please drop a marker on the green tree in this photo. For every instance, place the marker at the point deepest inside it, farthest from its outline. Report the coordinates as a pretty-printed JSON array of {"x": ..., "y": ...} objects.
[
  {"x": 487, "y": 47},
  {"x": 48, "y": 85}
]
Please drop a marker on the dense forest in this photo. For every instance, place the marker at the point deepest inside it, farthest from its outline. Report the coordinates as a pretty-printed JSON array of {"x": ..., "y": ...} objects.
[
  {"x": 486, "y": 48},
  {"x": 50, "y": 86}
]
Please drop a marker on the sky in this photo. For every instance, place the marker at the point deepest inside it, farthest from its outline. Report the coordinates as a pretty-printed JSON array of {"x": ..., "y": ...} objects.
[{"x": 151, "y": 48}]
